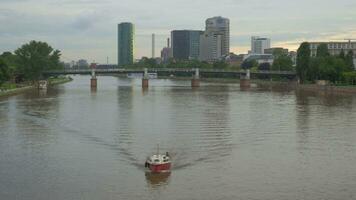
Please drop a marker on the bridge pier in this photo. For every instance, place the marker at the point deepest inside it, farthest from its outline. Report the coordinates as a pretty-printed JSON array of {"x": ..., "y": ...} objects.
[
  {"x": 245, "y": 80},
  {"x": 196, "y": 79},
  {"x": 145, "y": 79},
  {"x": 93, "y": 80}
]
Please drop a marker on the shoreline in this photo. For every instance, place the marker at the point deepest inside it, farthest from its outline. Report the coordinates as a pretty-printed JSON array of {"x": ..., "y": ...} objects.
[
  {"x": 329, "y": 89},
  {"x": 16, "y": 91}
]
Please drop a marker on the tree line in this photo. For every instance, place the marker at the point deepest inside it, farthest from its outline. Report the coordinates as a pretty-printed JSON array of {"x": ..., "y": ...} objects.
[
  {"x": 337, "y": 69},
  {"x": 28, "y": 62}
]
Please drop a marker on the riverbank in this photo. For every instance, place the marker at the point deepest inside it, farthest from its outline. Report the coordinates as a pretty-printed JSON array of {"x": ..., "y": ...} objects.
[
  {"x": 307, "y": 87},
  {"x": 18, "y": 89}
]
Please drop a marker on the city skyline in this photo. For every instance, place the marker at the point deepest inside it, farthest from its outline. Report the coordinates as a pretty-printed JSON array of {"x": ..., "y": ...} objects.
[{"x": 87, "y": 28}]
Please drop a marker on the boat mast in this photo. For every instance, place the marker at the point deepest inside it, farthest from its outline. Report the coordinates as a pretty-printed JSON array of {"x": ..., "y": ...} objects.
[{"x": 157, "y": 149}]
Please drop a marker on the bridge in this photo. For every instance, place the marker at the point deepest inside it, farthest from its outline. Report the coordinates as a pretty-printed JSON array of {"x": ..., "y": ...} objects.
[{"x": 176, "y": 72}]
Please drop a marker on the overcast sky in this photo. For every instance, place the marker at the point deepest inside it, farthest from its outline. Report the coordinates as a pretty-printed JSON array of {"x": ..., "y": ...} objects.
[{"x": 88, "y": 28}]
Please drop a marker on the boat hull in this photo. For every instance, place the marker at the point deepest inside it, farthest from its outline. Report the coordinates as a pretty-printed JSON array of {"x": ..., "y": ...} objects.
[{"x": 160, "y": 168}]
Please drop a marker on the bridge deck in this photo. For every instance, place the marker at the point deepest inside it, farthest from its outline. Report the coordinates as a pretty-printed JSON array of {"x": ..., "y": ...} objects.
[{"x": 167, "y": 70}]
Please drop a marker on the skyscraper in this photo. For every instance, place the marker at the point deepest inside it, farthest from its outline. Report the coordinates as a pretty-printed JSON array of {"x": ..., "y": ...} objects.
[
  {"x": 220, "y": 26},
  {"x": 125, "y": 43},
  {"x": 185, "y": 44},
  {"x": 258, "y": 45},
  {"x": 210, "y": 47}
]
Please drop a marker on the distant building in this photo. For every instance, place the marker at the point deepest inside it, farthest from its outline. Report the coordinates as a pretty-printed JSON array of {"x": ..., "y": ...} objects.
[
  {"x": 166, "y": 52},
  {"x": 210, "y": 47},
  {"x": 276, "y": 51},
  {"x": 82, "y": 64},
  {"x": 260, "y": 58},
  {"x": 234, "y": 60},
  {"x": 219, "y": 27},
  {"x": 125, "y": 49},
  {"x": 185, "y": 44},
  {"x": 293, "y": 56},
  {"x": 258, "y": 45},
  {"x": 334, "y": 48}
]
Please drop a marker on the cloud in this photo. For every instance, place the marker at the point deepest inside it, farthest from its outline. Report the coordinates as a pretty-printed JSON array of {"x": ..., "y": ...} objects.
[{"x": 88, "y": 28}]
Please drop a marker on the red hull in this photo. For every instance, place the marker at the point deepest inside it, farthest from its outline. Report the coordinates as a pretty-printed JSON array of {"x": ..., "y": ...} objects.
[{"x": 160, "y": 168}]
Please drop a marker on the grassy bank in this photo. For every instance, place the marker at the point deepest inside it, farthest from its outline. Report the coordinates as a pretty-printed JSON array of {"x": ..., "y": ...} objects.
[
  {"x": 59, "y": 80},
  {"x": 9, "y": 89}
]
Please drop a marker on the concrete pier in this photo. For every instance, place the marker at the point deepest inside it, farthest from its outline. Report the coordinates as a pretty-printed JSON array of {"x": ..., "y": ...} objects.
[
  {"x": 245, "y": 80},
  {"x": 93, "y": 80},
  {"x": 145, "y": 79},
  {"x": 196, "y": 79}
]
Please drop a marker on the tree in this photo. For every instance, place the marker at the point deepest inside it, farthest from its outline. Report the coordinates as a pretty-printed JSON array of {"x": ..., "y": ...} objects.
[
  {"x": 36, "y": 57},
  {"x": 282, "y": 63},
  {"x": 220, "y": 64},
  {"x": 342, "y": 54},
  {"x": 303, "y": 60},
  {"x": 322, "y": 51},
  {"x": 349, "y": 61},
  {"x": 264, "y": 67},
  {"x": 248, "y": 64},
  {"x": 4, "y": 72}
]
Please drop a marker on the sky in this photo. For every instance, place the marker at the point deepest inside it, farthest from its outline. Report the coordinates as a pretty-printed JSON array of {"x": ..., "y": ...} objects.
[{"x": 87, "y": 29}]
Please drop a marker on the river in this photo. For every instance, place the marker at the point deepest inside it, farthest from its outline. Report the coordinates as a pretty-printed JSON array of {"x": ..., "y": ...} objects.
[{"x": 264, "y": 143}]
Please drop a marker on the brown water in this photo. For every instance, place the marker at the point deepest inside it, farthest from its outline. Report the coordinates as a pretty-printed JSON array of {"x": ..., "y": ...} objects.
[{"x": 71, "y": 143}]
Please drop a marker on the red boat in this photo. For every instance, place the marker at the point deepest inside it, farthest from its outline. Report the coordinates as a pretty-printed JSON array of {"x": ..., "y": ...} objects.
[{"x": 159, "y": 163}]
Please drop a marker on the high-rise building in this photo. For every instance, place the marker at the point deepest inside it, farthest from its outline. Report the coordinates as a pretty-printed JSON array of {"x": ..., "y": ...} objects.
[
  {"x": 185, "y": 44},
  {"x": 210, "y": 47},
  {"x": 220, "y": 26},
  {"x": 125, "y": 43},
  {"x": 258, "y": 45}
]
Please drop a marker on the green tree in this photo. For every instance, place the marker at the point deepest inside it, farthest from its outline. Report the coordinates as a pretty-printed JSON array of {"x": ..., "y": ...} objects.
[
  {"x": 342, "y": 54},
  {"x": 349, "y": 61},
  {"x": 36, "y": 57},
  {"x": 4, "y": 72},
  {"x": 282, "y": 63},
  {"x": 249, "y": 64},
  {"x": 220, "y": 64},
  {"x": 322, "y": 51},
  {"x": 303, "y": 60}
]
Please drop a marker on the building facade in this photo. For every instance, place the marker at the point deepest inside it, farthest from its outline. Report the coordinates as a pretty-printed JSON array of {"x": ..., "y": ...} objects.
[
  {"x": 334, "y": 48},
  {"x": 258, "y": 45},
  {"x": 166, "y": 52},
  {"x": 125, "y": 44},
  {"x": 210, "y": 47},
  {"x": 185, "y": 44},
  {"x": 219, "y": 26}
]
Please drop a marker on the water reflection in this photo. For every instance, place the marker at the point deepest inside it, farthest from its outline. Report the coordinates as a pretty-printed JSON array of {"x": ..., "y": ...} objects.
[
  {"x": 267, "y": 143},
  {"x": 156, "y": 180}
]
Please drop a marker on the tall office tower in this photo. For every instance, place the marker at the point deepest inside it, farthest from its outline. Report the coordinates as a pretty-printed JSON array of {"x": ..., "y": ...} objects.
[
  {"x": 258, "y": 45},
  {"x": 185, "y": 44},
  {"x": 125, "y": 43},
  {"x": 153, "y": 45},
  {"x": 220, "y": 26},
  {"x": 210, "y": 47}
]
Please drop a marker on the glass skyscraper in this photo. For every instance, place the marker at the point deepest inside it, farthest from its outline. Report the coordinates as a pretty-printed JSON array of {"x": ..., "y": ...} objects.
[
  {"x": 125, "y": 43},
  {"x": 185, "y": 44}
]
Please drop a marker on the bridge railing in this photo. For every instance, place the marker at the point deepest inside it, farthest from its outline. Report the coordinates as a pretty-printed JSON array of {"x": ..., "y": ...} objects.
[{"x": 172, "y": 70}]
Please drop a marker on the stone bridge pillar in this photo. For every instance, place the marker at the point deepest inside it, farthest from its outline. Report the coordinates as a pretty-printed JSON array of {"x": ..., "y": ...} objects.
[
  {"x": 145, "y": 79},
  {"x": 245, "y": 80},
  {"x": 196, "y": 78},
  {"x": 93, "y": 80}
]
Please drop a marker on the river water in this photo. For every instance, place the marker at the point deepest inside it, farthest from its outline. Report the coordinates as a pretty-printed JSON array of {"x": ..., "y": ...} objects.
[{"x": 227, "y": 143}]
